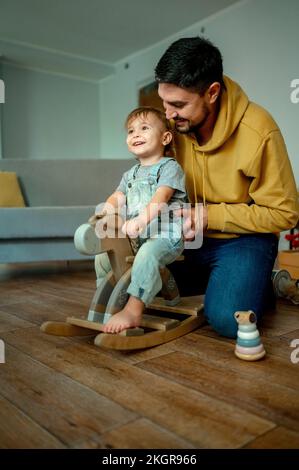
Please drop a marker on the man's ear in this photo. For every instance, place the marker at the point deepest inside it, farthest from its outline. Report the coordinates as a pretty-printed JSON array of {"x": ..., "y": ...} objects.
[
  {"x": 213, "y": 92},
  {"x": 167, "y": 138}
]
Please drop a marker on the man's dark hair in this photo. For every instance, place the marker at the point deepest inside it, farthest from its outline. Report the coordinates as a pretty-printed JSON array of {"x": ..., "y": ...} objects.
[{"x": 191, "y": 63}]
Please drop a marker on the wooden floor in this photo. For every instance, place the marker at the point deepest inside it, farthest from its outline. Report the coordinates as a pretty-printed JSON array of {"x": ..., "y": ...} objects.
[{"x": 191, "y": 393}]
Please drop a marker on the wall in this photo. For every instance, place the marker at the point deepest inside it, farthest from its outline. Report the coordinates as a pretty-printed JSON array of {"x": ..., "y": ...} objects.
[
  {"x": 259, "y": 42},
  {"x": 49, "y": 116}
]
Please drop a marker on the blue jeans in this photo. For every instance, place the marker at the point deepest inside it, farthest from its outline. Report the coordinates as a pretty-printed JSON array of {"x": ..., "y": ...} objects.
[
  {"x": 153, "y": 254},
  {"x": 234, "y": 274}
]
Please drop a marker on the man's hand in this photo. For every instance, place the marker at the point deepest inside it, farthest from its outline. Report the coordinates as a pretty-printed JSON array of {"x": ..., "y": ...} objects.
[
  {"x": 134, "y": 227},
  {"x": 195, "y": 219}
]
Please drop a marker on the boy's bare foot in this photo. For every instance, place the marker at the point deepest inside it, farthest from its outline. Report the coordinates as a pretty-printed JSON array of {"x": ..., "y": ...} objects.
[{"x": 129, "y": 317}]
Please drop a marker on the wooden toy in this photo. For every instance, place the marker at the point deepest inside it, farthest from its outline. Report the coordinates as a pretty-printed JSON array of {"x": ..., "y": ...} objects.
[
  {"x": 166, "y": 318},
  {"x": 285, "y": 286},
  {"x": 249, "y": 346}
]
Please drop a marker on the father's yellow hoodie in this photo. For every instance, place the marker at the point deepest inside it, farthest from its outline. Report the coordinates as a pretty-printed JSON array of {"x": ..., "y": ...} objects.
[{"x": 243, "y": 173}]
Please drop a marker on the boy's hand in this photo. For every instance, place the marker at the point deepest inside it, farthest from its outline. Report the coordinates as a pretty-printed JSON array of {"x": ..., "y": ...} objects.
[
  {"x": 93, "y": 219},
  {"x": 134, "y": 227},
  {"x": 105, "y": 211}
]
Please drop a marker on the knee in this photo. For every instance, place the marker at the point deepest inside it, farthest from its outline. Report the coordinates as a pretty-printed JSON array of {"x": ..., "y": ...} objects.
[
  {"x": 102, "y": 265},
  {"x": 222, "y": 321},
  {"x": 146, "y": 257}
]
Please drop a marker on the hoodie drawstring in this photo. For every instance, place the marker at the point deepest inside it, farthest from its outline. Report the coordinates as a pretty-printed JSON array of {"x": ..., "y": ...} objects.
[
  {"x": 203, "y": 176},
  {"x": 193, "y": 175}
]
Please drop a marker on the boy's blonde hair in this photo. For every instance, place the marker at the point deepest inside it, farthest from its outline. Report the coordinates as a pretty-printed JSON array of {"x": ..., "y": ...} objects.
[{"x": 144, "y": 111}]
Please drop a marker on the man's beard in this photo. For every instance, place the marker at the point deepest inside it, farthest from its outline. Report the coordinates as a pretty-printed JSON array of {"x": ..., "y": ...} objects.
[
  {"x": 187, "y": 127},
  {"x": 183, "y": 129}
]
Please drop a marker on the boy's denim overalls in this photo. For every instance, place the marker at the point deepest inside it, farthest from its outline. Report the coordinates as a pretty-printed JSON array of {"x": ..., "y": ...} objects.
[{"x": 166, "y": 242}]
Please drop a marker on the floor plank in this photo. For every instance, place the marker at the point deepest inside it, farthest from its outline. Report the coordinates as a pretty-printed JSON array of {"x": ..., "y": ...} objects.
[
  {"x": 273, "y": 368},
  {"x": 280, "y": 322},
  {"x": 189, "y": 393},
  {"x": 40, "y": 310},
  {"x": 278, "y": 438},
  {"x": 247, "y": 391},
  {"x": 276, "y": 345},
  {"x": 143, "y": 434},
  {"x": 134, "y": 357},
  {"x": 12, "y": 322},
  {"x": 293, "y": 334},
  {"x": 194, "y": 416},
  {"x": 65, "y": 408},
  {"x": 18, "y": 431}
]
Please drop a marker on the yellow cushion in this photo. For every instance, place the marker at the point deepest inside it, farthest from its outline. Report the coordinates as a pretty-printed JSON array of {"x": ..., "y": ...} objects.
[{"x": 10, "y": 191}]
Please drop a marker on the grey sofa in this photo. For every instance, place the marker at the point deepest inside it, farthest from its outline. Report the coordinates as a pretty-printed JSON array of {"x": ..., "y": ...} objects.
[{"x": 60, "y": 195}]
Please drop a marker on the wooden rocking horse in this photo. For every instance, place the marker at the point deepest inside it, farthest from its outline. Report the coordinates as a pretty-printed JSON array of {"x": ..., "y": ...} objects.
[{"x": 166, "y": 318}]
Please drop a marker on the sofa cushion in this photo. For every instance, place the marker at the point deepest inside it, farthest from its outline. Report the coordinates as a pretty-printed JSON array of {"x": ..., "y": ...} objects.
[
  {"x": 67, "y": 182},
  {"x": 10, "y": 191},
  {"x": 43, "y": 222}
]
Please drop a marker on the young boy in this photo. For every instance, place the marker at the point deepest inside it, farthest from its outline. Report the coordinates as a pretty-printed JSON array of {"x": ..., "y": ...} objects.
[{"x": 147, "y": 189}]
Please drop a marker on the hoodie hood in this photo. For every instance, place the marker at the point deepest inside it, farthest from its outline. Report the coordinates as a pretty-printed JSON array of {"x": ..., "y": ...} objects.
[{"x": 233, "y": 105}]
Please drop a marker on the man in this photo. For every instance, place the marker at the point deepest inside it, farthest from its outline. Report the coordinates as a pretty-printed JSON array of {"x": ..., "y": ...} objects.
[{"x": 236, "y": 164}]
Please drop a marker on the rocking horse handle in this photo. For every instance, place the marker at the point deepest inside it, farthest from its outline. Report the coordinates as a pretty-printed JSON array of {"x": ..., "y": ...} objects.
[
  {"x": 86, "y": 240},
  {"x": 118, "y": 248}
]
